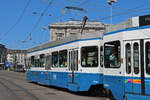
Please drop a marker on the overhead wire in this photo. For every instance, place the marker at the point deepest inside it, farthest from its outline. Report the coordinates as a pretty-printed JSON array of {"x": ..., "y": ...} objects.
[
  {"x": 136, "y": 9},
  {"x": 114, "y": 7},
  {"x": 38, "y": 21},
  {"x": 82, "y": 3},
  {"x": 29, "y": 37},
  {"x": 76, "y": 1},
  {"x": 120, "y": 13},
  {"x": 18, "y": 20},
  {"x": 75, "y": 13},
  {"x": 124, "y": 13}
]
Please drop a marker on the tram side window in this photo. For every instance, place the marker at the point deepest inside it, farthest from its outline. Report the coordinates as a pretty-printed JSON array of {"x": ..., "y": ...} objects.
[
  {"x": 26, "y": 60},
  {"x": 136, "y": 57},
  {"x": 41, "y": 60},
  {"x": 32, "y": 61},
  {"x": 128, "y": 58},
  {"x": 76, "y": 60},
  {"x": 63, "y": 58},
  {"x": 55, "y": 59},
  {"x": 101, "y": 56},
  {"x": 112, "y": 54},
  {"x": 89, "y": 56},
  {"x": 37, "y": 62},
  {"x": 48, "y": 62},
  {"x": 147, "y": 50},
  {"x": 28, "y": 63}
]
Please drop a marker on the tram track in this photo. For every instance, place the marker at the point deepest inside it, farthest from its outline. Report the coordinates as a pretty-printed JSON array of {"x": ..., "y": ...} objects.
[
  {"x": 16, "y": 87},
  {"x": 22, "y": 89},
  {"x": 16, "y": 77},
  {"x": 10, "y": 91},
  {"x": 20, "y": 77}
]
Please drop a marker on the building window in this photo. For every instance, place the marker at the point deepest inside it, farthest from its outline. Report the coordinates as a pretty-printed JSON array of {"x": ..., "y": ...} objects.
[
  {"x": 89, "y": 56},
  {"x": 112, "y": 54},
  {"x": 72, "y": 34},
  {"x": 59, "y": 36},
  {"x": 55, "y": 59},
  {"x": 63, "y": 58}
]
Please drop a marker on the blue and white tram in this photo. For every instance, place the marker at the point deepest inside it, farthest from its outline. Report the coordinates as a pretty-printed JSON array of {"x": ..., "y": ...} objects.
[
  {"x": 72, "y": 63},
  {"x": 127, "y": 63},
  {"x": 119, "y": 62}
]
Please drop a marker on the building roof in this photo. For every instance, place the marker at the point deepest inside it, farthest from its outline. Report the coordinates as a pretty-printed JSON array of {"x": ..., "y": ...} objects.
[{"x": 77, "y": 24}]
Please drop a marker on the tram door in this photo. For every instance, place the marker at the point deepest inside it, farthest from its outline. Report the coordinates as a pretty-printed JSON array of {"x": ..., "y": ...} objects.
[
  {"x": 147, "y": 66},
  {"x": 134, "y": 66},
  {"x": 73, "y": 65}
]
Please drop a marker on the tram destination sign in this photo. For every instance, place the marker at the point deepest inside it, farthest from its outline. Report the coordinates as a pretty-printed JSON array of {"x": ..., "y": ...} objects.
[{"x": 144, "y": 20}]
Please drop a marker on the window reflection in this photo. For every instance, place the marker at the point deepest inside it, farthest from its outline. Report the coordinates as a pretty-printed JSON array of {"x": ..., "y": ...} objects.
[
  {"x": 55, "y": 59},
  {"x": 136, "y": 57},
  {"x": 147, "y": 48},
  {"x": 63, "y": 58},
  {"x": 128, "y": 58},
  {"x": 89, "y": 56},
  {"x": 112, "y": 54}
]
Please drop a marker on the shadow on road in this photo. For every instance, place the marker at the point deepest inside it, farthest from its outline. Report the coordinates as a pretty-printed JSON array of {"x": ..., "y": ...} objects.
[{"x": 86, "y": 93}]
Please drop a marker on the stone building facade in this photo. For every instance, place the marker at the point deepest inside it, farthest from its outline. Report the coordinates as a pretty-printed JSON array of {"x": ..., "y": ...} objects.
[
  {"x": 65, "y": 29},
  {"x": 3, "y": 54},
  {"x": 16, "y": 56}
]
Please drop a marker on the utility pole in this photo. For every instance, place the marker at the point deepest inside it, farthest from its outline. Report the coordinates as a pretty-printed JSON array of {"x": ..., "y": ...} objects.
[{"x": 111, "y": 2}]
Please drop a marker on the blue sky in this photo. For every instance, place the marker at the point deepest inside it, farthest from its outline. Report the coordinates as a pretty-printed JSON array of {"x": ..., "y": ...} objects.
[{"x": 16, "y": 35}]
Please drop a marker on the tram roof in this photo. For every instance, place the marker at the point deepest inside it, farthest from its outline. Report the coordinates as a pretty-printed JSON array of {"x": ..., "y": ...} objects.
[{"x": 66, "y": 40}]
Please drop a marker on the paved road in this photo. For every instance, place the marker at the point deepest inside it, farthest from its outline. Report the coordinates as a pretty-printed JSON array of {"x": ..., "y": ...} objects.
[{"x": 13, "y": 86}]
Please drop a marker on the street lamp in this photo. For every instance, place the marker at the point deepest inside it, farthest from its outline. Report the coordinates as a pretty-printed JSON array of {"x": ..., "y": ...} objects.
[{"x": 111, "y": 2}]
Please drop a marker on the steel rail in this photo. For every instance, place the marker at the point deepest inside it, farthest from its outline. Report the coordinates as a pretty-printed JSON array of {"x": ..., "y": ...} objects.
[
  {"x": 10, "y": 91},
  {"x": 22, "y": 88}
]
